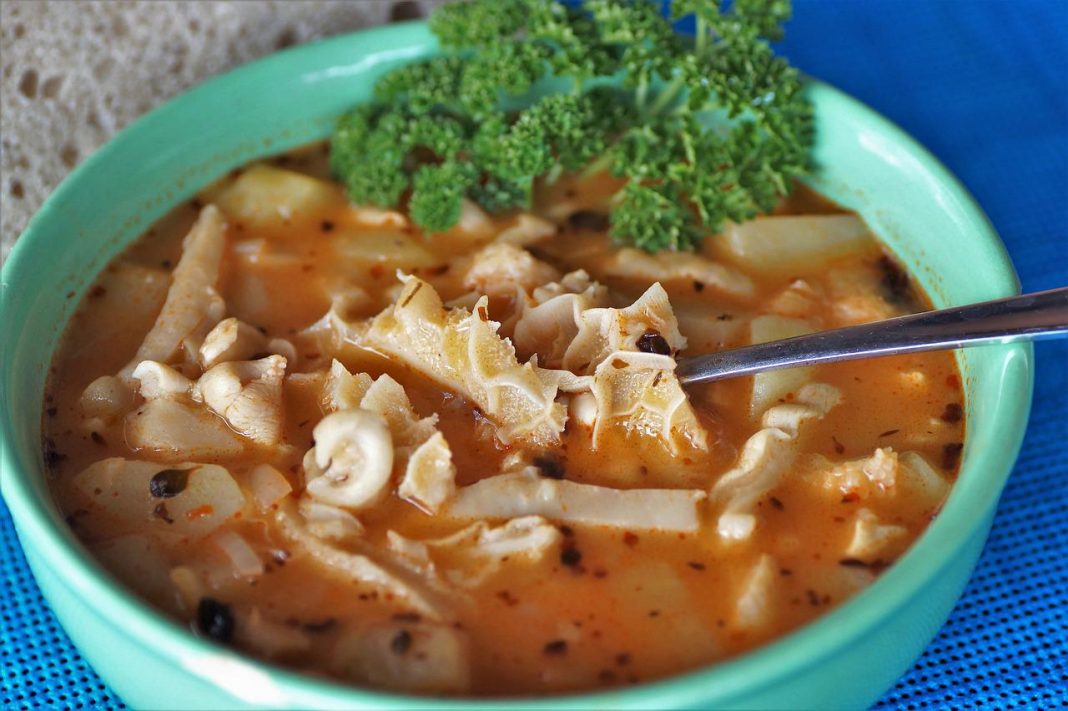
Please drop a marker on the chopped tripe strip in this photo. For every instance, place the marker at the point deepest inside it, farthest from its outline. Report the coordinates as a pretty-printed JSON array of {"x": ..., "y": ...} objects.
[
  {"x": 861, "y": 476},
  {"x": 430, "y": 476},
  {"x": 604, "y": 331},
  {"x": 470, "y": 556},
  {"x": 883, "y": 473},
  {"x": 766, "y": 456},
  {"x": 193, "y": 305},
  {"x": 640, "y": 392},
  {"x": 231, "y": 339},
  {"x": 527, "y": 493},
  {"x": 871, "y": 539},
  {"x": 632, "y": 388},
  {"x": 386, "y": 397},
  {"x": 338, "y": 324},
  {"x": 549, "y": 320},
  {"x": 360, "y": 567},
  {"x": 344, "y": 390},
  {"x": 330, "y": 522},
  {"x": 156, "y": 380},
  {"x": 248, "y": 395},
  {"x": 500, "y": 268},
  {"x": 461, "y": 350}
]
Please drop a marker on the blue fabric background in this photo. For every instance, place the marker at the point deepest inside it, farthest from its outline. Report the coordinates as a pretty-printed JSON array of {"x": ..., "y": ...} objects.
[{"x": 984, "y": 85}]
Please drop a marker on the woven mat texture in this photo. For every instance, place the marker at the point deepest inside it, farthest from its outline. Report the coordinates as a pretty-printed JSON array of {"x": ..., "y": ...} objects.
[{"x": 984, "y": 85}]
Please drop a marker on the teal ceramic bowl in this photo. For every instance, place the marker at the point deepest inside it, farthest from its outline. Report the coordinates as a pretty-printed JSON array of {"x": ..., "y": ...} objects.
[{"x": 847, "y": 658}]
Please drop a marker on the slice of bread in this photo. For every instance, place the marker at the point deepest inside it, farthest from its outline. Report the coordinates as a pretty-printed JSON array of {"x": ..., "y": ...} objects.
[{"x": 75, "y": 73}]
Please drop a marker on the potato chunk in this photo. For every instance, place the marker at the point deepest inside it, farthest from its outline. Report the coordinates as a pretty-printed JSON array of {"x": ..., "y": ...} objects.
[
  {"x": 139, "y": 496},
  {"x": 802, "y": 242},
  {"x": 270, "y": 199}
]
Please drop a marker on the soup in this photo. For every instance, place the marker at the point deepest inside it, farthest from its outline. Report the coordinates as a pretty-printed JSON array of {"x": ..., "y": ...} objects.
[{"x": 460, "y": 463}]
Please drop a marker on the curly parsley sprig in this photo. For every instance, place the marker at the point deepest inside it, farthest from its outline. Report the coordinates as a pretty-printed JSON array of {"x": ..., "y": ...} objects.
[{"x": 706, "y": 128}]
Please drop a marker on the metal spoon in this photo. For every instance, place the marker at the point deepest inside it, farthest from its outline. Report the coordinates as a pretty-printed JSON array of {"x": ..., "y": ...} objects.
[{"x": 1018, "y": 318}]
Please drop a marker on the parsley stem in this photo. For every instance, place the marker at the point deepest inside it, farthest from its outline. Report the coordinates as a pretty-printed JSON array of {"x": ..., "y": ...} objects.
[
  {"x": 601, "y": 164},
  {"x": 641, "y": 96},
  {"x": 668, "y": 95}
]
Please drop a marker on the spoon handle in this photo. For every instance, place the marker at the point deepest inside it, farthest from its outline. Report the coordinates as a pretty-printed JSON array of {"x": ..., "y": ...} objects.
[{"x": 1017, "y": 318}]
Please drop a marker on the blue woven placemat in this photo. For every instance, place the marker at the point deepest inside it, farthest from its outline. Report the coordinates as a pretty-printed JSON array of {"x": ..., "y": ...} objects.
[{"x": 984, "y": 85}]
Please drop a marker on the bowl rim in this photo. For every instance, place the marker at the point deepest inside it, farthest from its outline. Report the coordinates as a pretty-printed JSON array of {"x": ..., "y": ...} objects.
[{"x": 41, "y": 529}]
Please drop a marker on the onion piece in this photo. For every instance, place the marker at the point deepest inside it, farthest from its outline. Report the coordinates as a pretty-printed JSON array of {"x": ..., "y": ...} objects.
[
  {"x": 268, "y": 485},
  {"x": 246, "y": 562},
  {"x": 794, "y": 242}
]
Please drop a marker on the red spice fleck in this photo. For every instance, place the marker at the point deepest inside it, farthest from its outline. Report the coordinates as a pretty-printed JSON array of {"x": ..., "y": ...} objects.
[
  {"x": 953, "y": 381},
  {"x": 199, "y": 512},
  {"x": 630, "y": 539}
]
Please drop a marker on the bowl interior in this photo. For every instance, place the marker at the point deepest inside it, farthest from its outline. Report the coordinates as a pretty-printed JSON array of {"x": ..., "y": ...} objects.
[{"x": 292, "y": 98}]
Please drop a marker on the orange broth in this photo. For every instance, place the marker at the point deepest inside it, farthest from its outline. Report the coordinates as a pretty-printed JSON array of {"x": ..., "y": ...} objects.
[{"x": 611, "y": 606}]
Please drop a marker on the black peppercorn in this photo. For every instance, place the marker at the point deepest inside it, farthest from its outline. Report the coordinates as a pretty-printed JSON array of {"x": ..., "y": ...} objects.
[
  {"x": 215, "y": 619},
  {"x": 588, "y": 220},
  {"x": 168, "y": 483},
  {"x": 402, "y": 642},
  {"x": 570, "y": 556},
  {"x": 549, "y": 467},
  {"x": 653, "y": 342}
]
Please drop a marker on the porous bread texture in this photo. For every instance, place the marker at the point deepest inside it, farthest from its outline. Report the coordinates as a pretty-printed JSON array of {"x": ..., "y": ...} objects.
[{"x": 74, "y": 73}]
